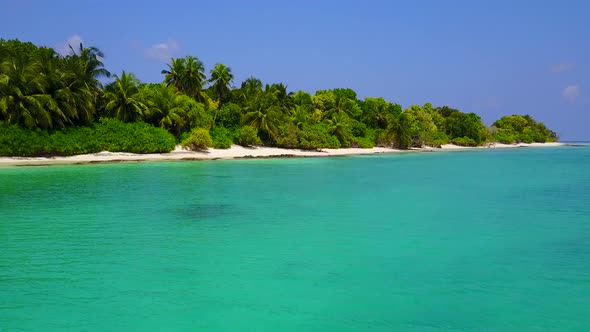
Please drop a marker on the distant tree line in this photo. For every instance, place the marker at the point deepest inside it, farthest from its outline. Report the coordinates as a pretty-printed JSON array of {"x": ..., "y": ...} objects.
[{"x": 52, "y": 104}]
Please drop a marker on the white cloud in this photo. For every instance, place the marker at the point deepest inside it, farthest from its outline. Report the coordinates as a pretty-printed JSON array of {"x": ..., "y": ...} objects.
[
  {"x": 562, "y": 67},
  {"x": 74, "y": 41},
  {"x": 162, "y": 51},
  {"x": 571, "y": 93}
]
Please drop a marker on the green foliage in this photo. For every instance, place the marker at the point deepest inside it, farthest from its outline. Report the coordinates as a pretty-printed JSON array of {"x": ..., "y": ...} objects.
[
  {"x": 221, "y": 77},
  {"x": 248, "y": 136},
  {"x": 187, "y": 75},
  {"x": 123, "y": 100},
  {"x": 59, "y": 99},
  {"x": 40, "y": 89},
  {"x": 504, "y": 136},
  {"x": 519, "y": 128},
  {"x": 340, "y": 126},
  {"x": 197, "y": 115},
  {"x": 199, "y": 139},
  {"x": 464, "y": 141},
  {"x": 18, "y": 141},
  {"x": 222, "y": 138},
  {"x": 436, "y": 139},
  {"x": 404, "y": 131},
  {"x": 421, "y": 125},
  {"x": 107, "y": 135},
  {"x": 317, "y": 137},
  {"x": 385, "y": 137},
  {"x": 363, "y": 142},
  {"x": 229, "y": 116},
  {"x": 136, "y": 137},
  {"x": 358, "y": 129},
  {"x": 459, "y": 125},
  {"x": 263, "y": 113},
  {"x": 287, "y": 137},
  {"x": 378, "y": 113}
]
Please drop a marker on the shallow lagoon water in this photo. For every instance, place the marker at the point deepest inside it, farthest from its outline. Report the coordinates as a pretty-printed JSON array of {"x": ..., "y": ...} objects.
[{"x": 492, "y": 240}]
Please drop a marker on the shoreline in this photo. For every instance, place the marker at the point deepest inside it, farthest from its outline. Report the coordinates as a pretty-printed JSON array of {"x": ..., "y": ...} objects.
[{"x": 238, "y": 152}]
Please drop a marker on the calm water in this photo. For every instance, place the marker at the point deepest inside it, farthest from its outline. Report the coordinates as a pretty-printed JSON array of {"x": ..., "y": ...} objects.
[{"x": 495, "y": 240}]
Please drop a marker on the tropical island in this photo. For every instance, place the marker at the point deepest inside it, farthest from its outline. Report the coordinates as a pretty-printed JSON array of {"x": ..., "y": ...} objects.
[{"x": 54, "y": 105}]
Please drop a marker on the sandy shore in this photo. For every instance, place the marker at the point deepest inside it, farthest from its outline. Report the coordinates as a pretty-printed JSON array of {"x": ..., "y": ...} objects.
[{"x": 235, "y": 152}]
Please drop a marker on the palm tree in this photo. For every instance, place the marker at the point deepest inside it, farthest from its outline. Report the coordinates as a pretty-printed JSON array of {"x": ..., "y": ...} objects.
[
  {"x": 123, "y": 98},
  {"x": 174, "y": 73},
  {"x": 56, "y": 82},
  {"x": 283, "y": 98},
  {"x": 194, "y": 76},
  {"x": 22, "y": 93},
  {"x": 167, "y": 108},
  {"x": 262, "y": 114},
  {"x": 221, "y": 77},
  {"x": 92, "y": 66},
  {"x": 342, "y": 105},
  {"x": 250, "y": 88},
  {"x": 187, "y": 75},
  {"x": 339, "y": 126},
  {"x": 300, "y": 116}
]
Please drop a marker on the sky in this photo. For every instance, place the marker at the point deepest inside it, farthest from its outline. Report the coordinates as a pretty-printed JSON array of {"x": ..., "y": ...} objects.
[{"x": 491, "y": 57}]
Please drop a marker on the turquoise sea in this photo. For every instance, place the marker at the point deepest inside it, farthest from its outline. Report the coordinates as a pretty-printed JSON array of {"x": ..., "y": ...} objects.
[{"x": 490, "y": 240}]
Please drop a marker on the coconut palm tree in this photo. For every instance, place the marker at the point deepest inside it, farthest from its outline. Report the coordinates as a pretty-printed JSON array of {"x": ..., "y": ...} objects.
[
  {"x": 92, "y": 67},
  {"x": 193, "y": 77},
  {"x": 187, "y": 75},
  {"x": 342, "y": 105},
  {"x": 339, "y": 126},
  {"x": 174, "y": 73},
  {"x": 221, "y": 77},
  {"x": 166, "y": 107},
  {"x": 23, "y": 99},
  {"x": 300, "y": 116},
  {"x": 123, "y": 99},
  {"x": 262, "y": 114}
]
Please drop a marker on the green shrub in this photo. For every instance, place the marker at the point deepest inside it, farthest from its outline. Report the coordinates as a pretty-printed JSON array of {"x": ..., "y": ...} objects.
[
  {"x": 464, "y": 141},
  {"x": 363, "y": 143},
  {"x": 109, "y": 134},
  {"x": 199, "y": 139},
  {"x": 17, "y": 141},
  {"x": 383, "y": 138},
  {"x": 527, "y": 135},
  {"x": 438, "y": 138},
  {"x": 317, "y": 137},
  {"x": 134, "y": 137},
  {"x": 287, "y": 137},
  {"x": 358, "y": 129},
  {"x": 248, "y": 136},
  {"x": 504, "y": 136},
  {"x": 222, "y": 138},
  {"x": 228, "y": 116}
]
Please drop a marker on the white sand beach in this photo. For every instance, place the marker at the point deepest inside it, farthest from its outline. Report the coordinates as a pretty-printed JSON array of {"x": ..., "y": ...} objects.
[{"x": 235, "y": 152}]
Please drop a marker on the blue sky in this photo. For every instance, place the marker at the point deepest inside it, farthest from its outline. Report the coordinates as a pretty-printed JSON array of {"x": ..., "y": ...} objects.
[{"x": 489, "y": 57}]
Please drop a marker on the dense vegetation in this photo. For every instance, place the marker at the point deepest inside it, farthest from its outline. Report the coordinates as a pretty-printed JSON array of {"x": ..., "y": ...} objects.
[{"x": 57, "y": 105}]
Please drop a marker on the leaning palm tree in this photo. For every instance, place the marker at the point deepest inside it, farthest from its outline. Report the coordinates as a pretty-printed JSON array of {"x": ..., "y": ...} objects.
[
  {"x": 221, "y": 77},
  {"x": 123, "y": 98}
]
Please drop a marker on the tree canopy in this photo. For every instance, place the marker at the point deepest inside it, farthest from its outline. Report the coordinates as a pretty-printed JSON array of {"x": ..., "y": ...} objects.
[{"x": 42, "y": 90}]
